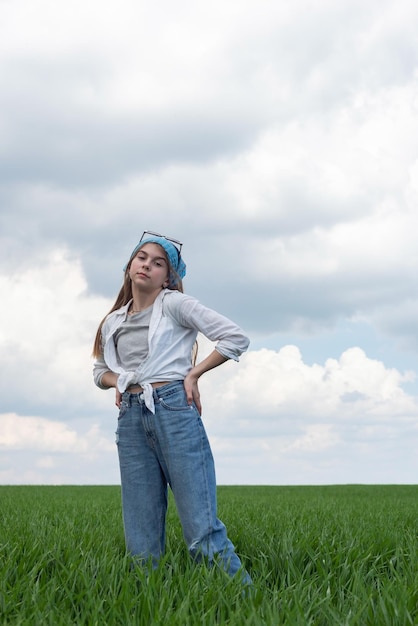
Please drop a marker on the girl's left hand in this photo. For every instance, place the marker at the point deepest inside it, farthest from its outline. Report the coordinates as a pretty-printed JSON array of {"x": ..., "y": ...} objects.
[{"x": 192, "y": 392}]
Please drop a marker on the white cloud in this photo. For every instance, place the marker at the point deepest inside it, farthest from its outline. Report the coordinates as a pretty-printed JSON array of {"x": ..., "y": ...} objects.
[
  {"x": 317, "y": 438},
  {"x": 280, "y": 385},
  {"x": 274, "y": 419},
  {"x": 40, "y": 434},
  {"x": 47, "y": 331},
  {"x": 39, "y": 450}
]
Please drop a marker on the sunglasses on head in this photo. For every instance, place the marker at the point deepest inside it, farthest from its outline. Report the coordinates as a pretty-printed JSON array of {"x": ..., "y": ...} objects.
[{"x": 178, "y": 244}]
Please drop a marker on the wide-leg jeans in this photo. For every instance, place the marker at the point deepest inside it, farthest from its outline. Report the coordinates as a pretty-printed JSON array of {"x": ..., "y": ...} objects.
[{"x": 171, "y": 448}]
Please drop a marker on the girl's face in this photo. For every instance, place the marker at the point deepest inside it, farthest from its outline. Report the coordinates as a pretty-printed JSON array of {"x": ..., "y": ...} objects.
[{"x": 149, "y": 268}]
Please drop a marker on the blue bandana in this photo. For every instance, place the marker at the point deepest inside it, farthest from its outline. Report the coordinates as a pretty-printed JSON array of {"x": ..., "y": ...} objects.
[{"x": 176, "y": 262}]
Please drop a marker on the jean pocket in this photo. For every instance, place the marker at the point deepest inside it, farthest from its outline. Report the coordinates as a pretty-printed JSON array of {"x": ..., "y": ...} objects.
[
  {"x": 176, "y": 401},
  {"x": 124, "y": 406}
]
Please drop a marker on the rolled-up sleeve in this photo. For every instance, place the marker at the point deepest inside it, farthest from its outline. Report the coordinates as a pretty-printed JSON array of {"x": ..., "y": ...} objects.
[
  {"x": 231, "y": 341},
  {"x": 99, "y": 368}
]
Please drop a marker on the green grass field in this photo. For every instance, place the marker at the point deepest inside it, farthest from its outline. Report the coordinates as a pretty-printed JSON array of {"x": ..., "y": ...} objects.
[{"x": 337, "y": 555}]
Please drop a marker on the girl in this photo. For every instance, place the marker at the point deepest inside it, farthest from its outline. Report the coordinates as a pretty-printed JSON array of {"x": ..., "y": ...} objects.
[{"x": 143, "y": 348}]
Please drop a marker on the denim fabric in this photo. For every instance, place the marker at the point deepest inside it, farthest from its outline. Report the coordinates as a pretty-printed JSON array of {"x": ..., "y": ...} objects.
[{"x": 171, "y": 448}]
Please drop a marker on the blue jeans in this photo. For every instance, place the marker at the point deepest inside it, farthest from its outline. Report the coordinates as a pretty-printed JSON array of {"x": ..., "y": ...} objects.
[{"x": 171, "y": 448}]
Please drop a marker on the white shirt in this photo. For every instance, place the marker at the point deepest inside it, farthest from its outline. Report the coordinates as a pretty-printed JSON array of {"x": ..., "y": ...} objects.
[{"x": 175, "y": 321}]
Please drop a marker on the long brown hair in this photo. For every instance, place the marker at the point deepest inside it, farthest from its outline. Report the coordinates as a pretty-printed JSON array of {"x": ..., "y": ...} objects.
[{"x": 125, "y": 294}]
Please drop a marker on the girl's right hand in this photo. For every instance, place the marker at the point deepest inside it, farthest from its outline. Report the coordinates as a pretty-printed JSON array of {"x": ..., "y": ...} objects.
[{"x": 118, "y": 398}]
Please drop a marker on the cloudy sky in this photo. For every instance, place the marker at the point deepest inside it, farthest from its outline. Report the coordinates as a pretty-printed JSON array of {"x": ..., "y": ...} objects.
[{"x": 279, "y": 141}]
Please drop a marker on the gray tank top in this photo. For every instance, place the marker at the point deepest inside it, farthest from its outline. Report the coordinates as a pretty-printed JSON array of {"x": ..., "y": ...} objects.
[{"x": 131, "y": 339}]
